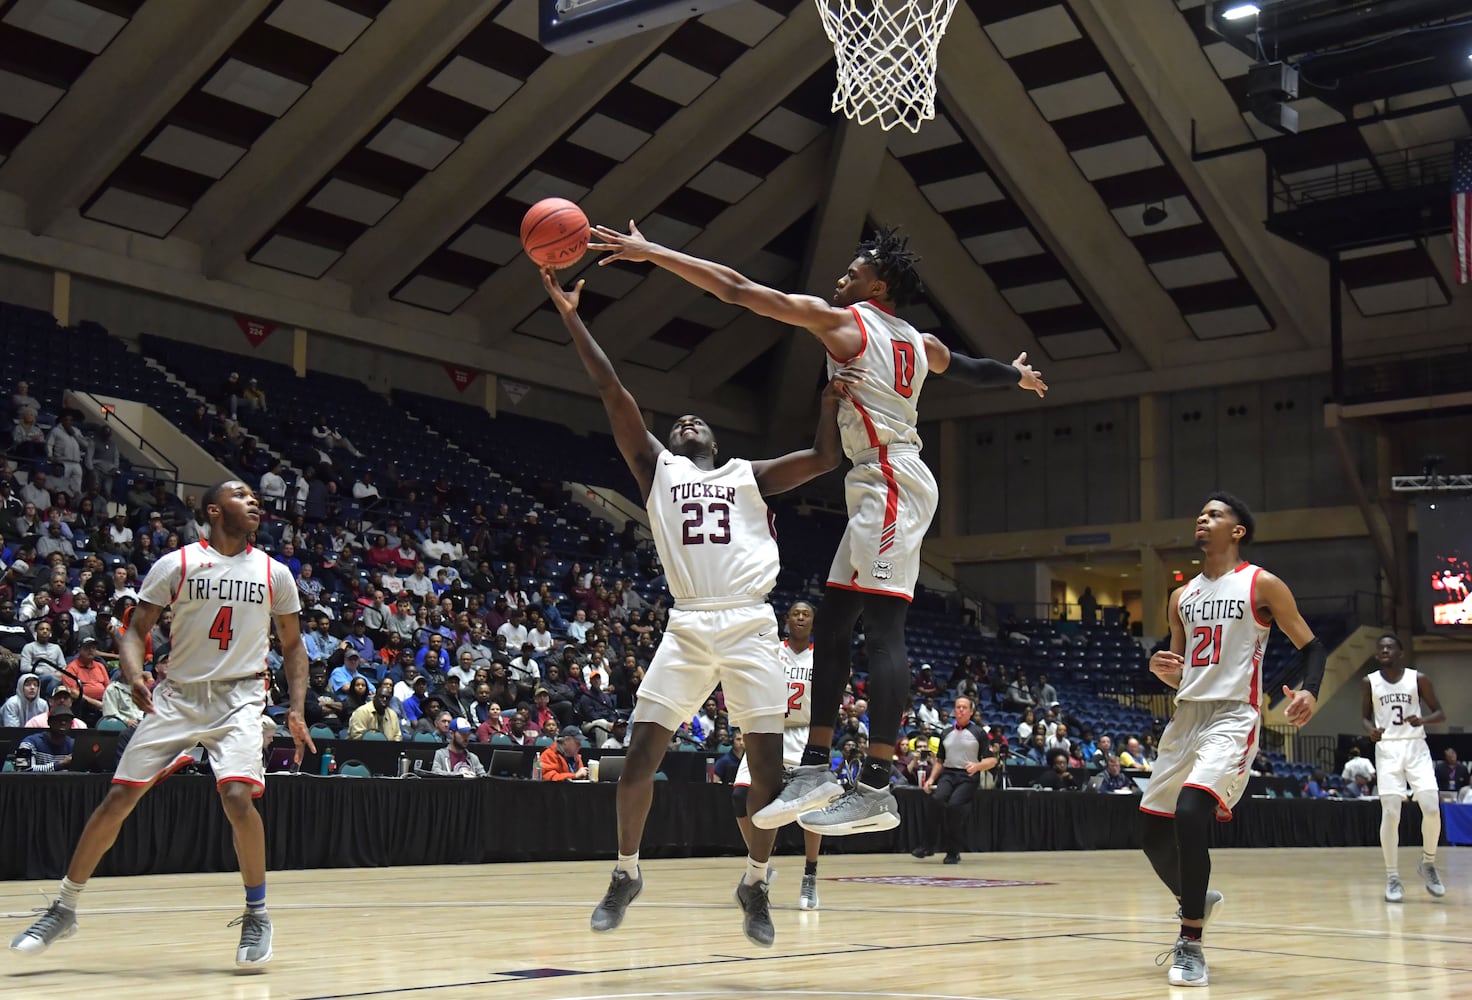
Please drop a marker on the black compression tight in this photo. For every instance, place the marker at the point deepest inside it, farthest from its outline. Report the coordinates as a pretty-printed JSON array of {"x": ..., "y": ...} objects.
[
  {"x": 1177, "y": 849},
  {"x": 884, "y": 639}
]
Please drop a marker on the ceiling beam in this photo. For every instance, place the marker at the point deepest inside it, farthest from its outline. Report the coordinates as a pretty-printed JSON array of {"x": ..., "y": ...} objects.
[
  {"x": 1149, "y": 40},
  {"x": 360, "y": 87},
  {"x": 739, "y": 98},
  {"x": 853, "y": 170},
  {"x": 126, "y": 90},
  {"x": 1027, "y": 157},
  {"x": 736, "y": 234},
  {"x": 731, "y": 348},
  {"x": 561, "y": 91}
]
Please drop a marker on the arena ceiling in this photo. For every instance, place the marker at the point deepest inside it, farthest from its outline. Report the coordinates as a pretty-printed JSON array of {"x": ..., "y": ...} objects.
[{"x": 361, "y": 167}]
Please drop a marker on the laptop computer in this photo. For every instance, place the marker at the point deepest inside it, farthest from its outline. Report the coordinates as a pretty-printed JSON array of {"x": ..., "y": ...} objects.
[
  {"x": 94, "y": 752},
  {"x": 610, "y": 768},
  {"x": 282, "y": 760},
  {"x": 510, "y": 764}
]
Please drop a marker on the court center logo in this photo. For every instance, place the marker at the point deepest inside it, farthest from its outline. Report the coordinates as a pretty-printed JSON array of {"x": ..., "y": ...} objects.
[{"x": 882, "y": 569}]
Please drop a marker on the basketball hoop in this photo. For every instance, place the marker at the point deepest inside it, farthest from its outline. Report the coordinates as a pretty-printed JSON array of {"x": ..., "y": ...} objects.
[{"x": 886, "y": 51}]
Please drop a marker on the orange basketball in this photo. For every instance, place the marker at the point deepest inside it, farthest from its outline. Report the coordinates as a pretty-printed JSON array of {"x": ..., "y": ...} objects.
[{"x": 554, "y": 232}]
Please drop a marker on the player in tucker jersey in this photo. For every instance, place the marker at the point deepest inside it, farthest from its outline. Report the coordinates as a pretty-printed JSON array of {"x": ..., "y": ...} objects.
[
  {"x": 797, "y": 661},
  {"x": 890, "y": 494},
  {"x": 225, "y": 594},
  {"x": 1219, "y": 625},
  {"x": 713, "y": 533},
  {"x": 1397, "y": 703}
]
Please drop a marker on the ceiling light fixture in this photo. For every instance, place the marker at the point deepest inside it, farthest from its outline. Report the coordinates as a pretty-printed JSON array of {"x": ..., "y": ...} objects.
[
  {"x": 1240, "y": 11},
  {"x": 1154, "y": 215}
]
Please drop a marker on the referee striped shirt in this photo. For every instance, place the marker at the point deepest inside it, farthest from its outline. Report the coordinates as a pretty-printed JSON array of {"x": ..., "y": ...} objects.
[{"x": 963, "y": 745}]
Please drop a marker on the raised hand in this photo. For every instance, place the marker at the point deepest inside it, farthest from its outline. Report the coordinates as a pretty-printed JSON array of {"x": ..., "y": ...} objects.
[
  {"x": 621, "y": 246},
  {"x": 566, "y": 301},
  {"x": 1032, "y": 379}
]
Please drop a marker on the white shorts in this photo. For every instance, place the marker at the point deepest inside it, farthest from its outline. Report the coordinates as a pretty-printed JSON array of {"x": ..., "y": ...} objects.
[
  {"x": 891, "y": 501},
  {"x": 1402, "y": 763},
  {"x": 794, "y": 742},
  {"x": 224, "y": 716},
  {"x": 1207, "y": 745},
  {"x": 737, "y": 648}
]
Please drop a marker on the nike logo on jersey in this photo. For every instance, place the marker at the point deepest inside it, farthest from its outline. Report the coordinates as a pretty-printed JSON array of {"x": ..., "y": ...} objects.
[{"x": 763, "y": 635}]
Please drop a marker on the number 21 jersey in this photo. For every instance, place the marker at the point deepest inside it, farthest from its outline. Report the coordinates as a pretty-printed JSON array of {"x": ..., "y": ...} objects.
[
  {"x": 712, "y": 530},
  {"x": 1225, "y": 638},
  {"x": 223, "y": 607}
]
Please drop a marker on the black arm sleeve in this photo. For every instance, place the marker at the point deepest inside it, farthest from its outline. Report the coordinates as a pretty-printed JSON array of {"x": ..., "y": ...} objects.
[
  {"x": 1314, "y": 657},
  {"x": 984, "y": 372}
]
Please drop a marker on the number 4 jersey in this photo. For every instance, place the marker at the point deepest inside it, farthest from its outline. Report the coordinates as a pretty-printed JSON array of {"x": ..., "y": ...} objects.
[
  {"x": 713, "y": 532},
  {"x": 223, "y": 607},
  {"x": 1225, "y": 638}
]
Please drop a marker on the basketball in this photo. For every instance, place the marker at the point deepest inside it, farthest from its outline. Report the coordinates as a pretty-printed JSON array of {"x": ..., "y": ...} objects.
[{"x": 554, "y": 232}]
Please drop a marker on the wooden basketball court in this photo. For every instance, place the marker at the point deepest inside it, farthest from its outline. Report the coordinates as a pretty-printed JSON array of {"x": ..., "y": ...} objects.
[{"x": 1297, "y": 923}]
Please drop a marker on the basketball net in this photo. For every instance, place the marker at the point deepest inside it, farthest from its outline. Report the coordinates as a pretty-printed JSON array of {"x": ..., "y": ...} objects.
[{"x": 886, "y": 52}]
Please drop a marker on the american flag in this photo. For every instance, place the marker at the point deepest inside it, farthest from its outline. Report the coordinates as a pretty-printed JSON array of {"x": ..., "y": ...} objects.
[{"x": 1462, "y": 209}]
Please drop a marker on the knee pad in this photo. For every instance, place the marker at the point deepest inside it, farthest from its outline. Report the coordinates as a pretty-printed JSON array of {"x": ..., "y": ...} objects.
[
  {"x": 738, "y": 799},
  {"x": 1391, "y": 804}
]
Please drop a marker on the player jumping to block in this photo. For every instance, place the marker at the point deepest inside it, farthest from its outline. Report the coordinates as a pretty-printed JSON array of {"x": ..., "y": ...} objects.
[
  {"x": 1219, "y": 624},
  {"x": 225, "y": 594},
  {"x": 797, "y": 660},
  {"x": 1393, "y": 700},
  {"x": 890, "y": 494},
  {"x": 713, "y": 533}
]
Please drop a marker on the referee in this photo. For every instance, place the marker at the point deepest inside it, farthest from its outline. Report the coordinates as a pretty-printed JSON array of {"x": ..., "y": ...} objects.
[{"x": 965, "y": 751}]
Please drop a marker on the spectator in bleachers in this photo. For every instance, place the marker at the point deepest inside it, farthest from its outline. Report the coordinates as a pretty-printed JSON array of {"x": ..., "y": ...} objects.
[
  {"x": 103, "y": 459},
  {"x": 41, "y": 656},
  {"x": 253, "y": 399},
  {"x": 59, "y": 701},
  {"x": 28, "y": 441},
  {"x": 1114, "y": 780},
  {"x": 358, "y": 694},
  {"x": 1019, "y": 695},
  {"x": 21, "y": 399},
  {"x": 52, "y": 750},
  {"x": 87, "y": 678},
  {"x": 926, "y": 684},
  {"x": 418, "y": 583},
  {"x": 341, "y": 681},
  {"x": 54, "y": 541},
  {"x": 1060, "y": 778},
  {"x": 597, "y": 711},
  {"x": 1045, "y": 694},
  {"x": 1026, "y": 726},
  {"x": 328, "y": 437},
  {"x": 928, "y": 715},
  {"x": 273, "y": 488},
  {"x": 514, "y": 629},
  {"x": 1088, "y": 606},
  {"x": 309, "y": 589},
  {"x": 523, "y": 670},
  {"x": 1102, "y": 750},
  {"x": 1318, "y": 786},
  {"x": 64, "y": 447},
  {"x": 118, "y": 536},
  {"x": 1059, "y": 740},
  {"x": 1036, "y": 748},
  {"x": 1133, "y": 757},
  {"x": 319, "y": 642},
  {"x": 227, "y": 399},
  {"x": 403, "y": 622},
  {"x": 23, "y": 706},
  {"x": 376, "y": 715},
  {"x": 1356, "y": 766},
  {"x": 432, "y": 657},
  {"x": 35, "y": 493}
]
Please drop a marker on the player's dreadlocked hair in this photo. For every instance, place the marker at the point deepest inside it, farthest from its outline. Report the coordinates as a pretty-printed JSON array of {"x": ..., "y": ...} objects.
[{"x": 889, "y": 254}]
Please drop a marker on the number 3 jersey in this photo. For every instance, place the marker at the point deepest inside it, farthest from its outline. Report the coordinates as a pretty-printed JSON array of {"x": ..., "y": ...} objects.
[
  {"x": 1394, "y": 704},
  {"x": 223, "y": 607},
  {"x": 713, "y": 533},
  {"x": 1225, "y": 638}
]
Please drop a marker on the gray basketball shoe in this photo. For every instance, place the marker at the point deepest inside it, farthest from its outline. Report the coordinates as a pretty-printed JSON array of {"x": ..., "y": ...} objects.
[
  {"x": 255, "y": 939},
  {"x": 1188, "y": 963},
  {"x": 56, "y": 923},
  {"x": 623, "y": 889},
  {"x": 810, "y": 787},
  {"x": 808, "y": 899},
  {"x": 758, "y": 920},
  {"x": 862, "y": 810},
  {"x": 1394, "y": 891},
  {"x": 1427, "y": 870},
  {"x": 771, "y": 877}
]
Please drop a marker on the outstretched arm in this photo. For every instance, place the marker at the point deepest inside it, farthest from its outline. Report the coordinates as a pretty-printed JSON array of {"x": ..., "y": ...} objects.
[
  {"x": 838, "y": 329},
  {"x": 778, "y": 475},
  {"x": 1273, "y": 594},
  {"x": 638, "y": 447},
  {"x": 984, "y": 372}
]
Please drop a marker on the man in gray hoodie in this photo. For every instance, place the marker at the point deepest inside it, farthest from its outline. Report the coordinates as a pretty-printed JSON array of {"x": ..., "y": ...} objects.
[{"x": 24, "y": 705}]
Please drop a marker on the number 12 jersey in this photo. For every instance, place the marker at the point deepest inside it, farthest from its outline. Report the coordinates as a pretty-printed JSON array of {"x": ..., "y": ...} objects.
[{"x": 713, "y": 532}]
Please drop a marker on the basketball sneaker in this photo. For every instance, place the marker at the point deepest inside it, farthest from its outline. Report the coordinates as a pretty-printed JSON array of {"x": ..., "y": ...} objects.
[
  {"x": 1427, "y": 870},
  {"x": 1394, "y": 892},
  {"x": 771, "y": 877},
  {"x": 921, "y": 852},
  {"x": 862, "y": 810},
  {"x": 1213, "y": 900},
  {"x": 808, "y": 899},
  {"x": 758, "y": 920},
  {"x": 951, "y": 859},
  {"x": 623, "y": 889},
  {"x": 55, "y": 923},
  {"x": 255, "y": 939},
  {"x": 811, "y": 787},
  {"x": 1188, "y": 963}
]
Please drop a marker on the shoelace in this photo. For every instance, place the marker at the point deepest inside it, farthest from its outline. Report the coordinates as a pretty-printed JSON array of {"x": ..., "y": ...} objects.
[
  {"x": 253, "y": 931},
  {"x": 48, "y": 921},
  {"x": 1171, "y": 953},
  {"x": 759, "y": 907}
]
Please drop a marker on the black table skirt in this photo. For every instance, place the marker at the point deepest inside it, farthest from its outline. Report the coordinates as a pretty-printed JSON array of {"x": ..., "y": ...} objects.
[{"x": 338, "y": 822}]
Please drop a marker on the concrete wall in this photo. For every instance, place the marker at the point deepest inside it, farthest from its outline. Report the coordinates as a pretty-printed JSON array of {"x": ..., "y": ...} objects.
[
  {"x": 24, "y": 285},
  {"x": 134, "y": 421}
]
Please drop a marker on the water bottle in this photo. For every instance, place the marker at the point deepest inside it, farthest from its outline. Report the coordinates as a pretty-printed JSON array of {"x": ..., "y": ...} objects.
[
  {"x": 537, "y": 768},
  {"x": 328, "y": 764},
  {"x": 710, "y": 770},
  {"x": 403, "y": 765}
]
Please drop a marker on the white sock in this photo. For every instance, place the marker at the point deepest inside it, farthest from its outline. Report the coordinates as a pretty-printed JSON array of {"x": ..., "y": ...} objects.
[
  {"x": 70, "y": 891},
  {"x": 1430, "y": 804},
  {"x": 756, "y": 871},
  {"x": 1390, "y": 833},
  {"x": 628, "y": 863}
]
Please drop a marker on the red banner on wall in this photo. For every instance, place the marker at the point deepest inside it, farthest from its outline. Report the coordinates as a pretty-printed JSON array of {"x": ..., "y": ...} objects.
[
  {"x": 462, "y": 377},
  {"x": 255, "y": 330}
]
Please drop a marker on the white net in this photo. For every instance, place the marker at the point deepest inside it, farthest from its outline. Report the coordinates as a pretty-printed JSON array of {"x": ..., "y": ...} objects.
[{"x": 886, "y": 51}]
